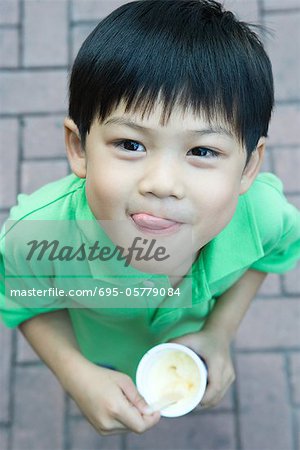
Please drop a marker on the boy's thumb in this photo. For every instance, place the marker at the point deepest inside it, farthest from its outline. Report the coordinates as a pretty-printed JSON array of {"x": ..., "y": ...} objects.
[{"x": 134, "y": 396}]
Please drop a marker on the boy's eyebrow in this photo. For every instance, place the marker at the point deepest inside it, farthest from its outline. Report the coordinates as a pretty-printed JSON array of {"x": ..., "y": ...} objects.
[{"x": 217, "y": 129}]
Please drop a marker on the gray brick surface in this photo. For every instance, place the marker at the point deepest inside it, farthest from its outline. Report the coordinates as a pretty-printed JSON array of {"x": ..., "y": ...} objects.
[
  {"x": 267, "y": 162},
  {"x": 45, "y": 40},
  {"x": 291, "y": 281},
  {"x": 205, "y": 431},
  {"x": 294, "y": 200},
  {"x": 4, "y": 438},
  {"x": 272, "y": 324},
  {"x": 5, "y": 372},
  {"x": 9, "y": 47},
  {"x": 3, "y": 217},
  {"x": 280, "y": 5},
  {"x": 38, "y": 410},
  {"x": 83, "y": 10},
  {"x": 264, "y": 415},
  {"x": 226, "y": 403},
  {"x": 32, "y": 91},
  {"x": 9, "y": 12},
  {"x": 271, "y": 285},
  {"x": 286, "y": 66},
  {"x": 297, "y": 429},
  {"x": 37, "y": 173},
  {"x": 246, "y": 10},
  {"x": 286, "y": 160},
  {"x": 9, "y": 130},
  {"x": 295, "y": 377},
  {"x": 43, "y": 137},
  {"x": 84, "y": 437},
  {"x": 73, "y": 409},
  {"x": 284, "y": 128},
  {"x": 25, "y": 353},
  {"x": 79, "y": 33}
]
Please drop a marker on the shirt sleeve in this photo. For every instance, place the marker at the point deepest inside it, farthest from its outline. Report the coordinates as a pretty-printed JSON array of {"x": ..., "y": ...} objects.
[
  {"x": 278, "y": 224},
  {"x": 14, "y": 309}
]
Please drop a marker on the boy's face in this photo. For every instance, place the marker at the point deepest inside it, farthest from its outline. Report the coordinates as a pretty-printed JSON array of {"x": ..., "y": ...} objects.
[{"x": 182, "y": 171}]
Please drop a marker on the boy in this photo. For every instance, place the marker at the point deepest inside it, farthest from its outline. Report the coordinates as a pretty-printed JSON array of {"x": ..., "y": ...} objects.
[{"x": 169, "y": 110}]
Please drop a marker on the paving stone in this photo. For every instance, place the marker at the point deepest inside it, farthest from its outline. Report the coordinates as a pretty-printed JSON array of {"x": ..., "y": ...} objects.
[
  {"x": 246, "y": 10},
  {"x": 267, "y": 162},
  {"x": 33, "y": 91},
  {"x": 291, "y": 281},
  {"x": 44, "y": 137},
  {"x": 282, "y": 48},
  {"x": 9, "y": 12},
  {"x": 287, "y": 167},
  {"x": 37, "y": 173},
  {"x": 79, "y": 33},
  {"x": 295, "y": 376},
  {"x": 272, "y": 324},
  {"x": 271, "y": 285},
  {"x": 265, "y": 421},
  {"x": 38, "y": 410},
  {"x": 284, "y": 126},
  {"x": 84, "y": 437},
  {"x": 294, "y": 200},
  {"x": 225, "y": 404},
  {"x": 9, "y": 51},
  {"x": 191, "y": 432},
  {"x": 3, "y": 217},
  {"x": 279, "y": 4},
  {"x": 9, "y": 161},
  {"x": 4, "y": 438},
  {"x": 46, "y": 39},
  {"x": 25, "y": 353},
  {"x": 74, "y": 411},
  {"x": 297, "y": 443},
  {"x": 93, "y": 9},
  {"x": 5, "y": 372}
]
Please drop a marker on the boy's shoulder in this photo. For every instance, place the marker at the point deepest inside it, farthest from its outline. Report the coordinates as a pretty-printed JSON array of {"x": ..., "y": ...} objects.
[
  {"x": 54, "y": 200},
  {"x": 271, "y": 212}
]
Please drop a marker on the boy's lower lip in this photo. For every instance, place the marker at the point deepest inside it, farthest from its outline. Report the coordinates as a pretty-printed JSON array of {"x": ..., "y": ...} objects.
[{"x": 154, "y": 225}]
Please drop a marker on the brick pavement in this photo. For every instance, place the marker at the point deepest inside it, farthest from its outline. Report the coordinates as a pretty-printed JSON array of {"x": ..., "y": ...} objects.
[{"x": 38, "y": 41}]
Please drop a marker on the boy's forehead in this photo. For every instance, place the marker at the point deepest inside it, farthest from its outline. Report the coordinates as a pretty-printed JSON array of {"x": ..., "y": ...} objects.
[{"x": 181, "y": 120}]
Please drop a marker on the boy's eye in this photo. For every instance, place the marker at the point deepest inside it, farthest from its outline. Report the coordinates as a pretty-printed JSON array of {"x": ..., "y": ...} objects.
[
  {"x": 203, "y": 152},
  {"x": 131, "y": 146}
]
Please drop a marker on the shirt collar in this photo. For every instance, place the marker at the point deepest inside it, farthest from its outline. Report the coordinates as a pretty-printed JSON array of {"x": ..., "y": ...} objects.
[{"x": 236, "y": 247}]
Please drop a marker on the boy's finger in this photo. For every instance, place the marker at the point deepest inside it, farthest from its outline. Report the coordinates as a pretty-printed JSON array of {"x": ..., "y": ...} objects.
[
  {"x": 132, "y": 418},
  {"x": 212, "y": 393},
  {"x": 134, "y": 396}
]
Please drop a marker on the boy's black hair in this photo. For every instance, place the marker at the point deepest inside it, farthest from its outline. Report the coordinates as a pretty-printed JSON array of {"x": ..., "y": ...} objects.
[{"x": 191, "y": 52}]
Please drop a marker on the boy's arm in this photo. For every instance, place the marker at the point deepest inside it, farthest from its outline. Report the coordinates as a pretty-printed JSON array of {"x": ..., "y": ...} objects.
[
  {"x": 51, "y": 336},
  {"x": 108, "y": 399},
  {"x": 212, "y": 342},
  {"x": 232, "y": 306}
]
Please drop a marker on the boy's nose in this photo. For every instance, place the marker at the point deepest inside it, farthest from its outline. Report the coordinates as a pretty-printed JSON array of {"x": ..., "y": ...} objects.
[{"x": 162, "y": 179}]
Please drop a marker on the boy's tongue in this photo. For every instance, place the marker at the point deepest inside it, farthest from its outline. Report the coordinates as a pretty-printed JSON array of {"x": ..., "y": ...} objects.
[{"x": 152, "y": 222}]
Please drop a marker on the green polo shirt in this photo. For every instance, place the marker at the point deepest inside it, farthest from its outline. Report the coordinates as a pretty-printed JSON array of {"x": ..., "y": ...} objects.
[{"x": 264, "y": 234}]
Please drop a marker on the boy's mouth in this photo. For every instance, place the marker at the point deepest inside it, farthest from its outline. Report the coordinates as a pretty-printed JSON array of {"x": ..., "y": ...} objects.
[{"x": 154, "y": 225}]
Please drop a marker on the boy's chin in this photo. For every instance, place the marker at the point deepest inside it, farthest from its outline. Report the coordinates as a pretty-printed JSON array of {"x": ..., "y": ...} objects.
[{"x": 154, "y": 254}]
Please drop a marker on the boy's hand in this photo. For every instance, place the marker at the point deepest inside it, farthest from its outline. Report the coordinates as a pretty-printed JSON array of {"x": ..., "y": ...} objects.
[
  {"x": 109, "y": 400},
  {"x": 215, "y": 349}
]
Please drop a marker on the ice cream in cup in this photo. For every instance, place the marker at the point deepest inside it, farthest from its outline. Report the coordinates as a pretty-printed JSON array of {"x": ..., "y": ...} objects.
[{"x": 172, "y": 378}]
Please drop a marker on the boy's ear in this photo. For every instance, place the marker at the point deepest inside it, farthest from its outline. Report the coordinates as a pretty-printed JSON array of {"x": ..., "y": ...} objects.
[
  {"x": 75, "y": 152},
  {"x": 253, "y": 166}
]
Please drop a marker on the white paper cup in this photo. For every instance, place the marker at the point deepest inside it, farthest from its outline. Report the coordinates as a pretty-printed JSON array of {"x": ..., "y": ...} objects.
[{"x": 154, "y": 377}]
